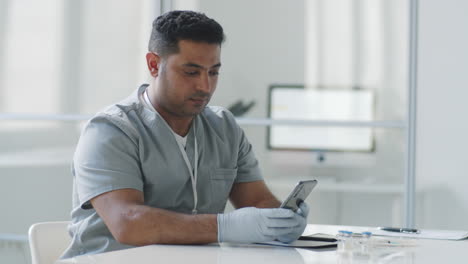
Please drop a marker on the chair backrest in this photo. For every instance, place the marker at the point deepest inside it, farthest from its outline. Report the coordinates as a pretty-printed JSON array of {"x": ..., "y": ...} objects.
[{"x": 48, "y": 241}]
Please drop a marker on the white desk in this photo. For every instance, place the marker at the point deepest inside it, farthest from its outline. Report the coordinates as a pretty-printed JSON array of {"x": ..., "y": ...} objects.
[{"x": 422, "y": 251}]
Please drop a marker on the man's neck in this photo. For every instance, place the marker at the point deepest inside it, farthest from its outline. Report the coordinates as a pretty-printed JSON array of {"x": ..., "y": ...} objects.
[{"x": 180, "y": 125}]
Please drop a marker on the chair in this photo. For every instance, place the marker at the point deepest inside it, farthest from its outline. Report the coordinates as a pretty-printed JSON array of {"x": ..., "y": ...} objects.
[{"x": 48, "y": 240}]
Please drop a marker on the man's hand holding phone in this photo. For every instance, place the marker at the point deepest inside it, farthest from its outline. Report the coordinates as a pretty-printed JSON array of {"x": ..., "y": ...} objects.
[
  {"x": 255, "y": 225},
  {"x": 301, "y": 218}
]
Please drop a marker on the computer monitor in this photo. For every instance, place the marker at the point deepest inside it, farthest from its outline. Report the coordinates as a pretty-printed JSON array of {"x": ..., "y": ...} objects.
[{"x": 296, "y": 102}]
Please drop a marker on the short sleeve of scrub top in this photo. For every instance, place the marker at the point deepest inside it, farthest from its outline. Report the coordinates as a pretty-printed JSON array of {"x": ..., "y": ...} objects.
[{"x": 106, "y": 159}]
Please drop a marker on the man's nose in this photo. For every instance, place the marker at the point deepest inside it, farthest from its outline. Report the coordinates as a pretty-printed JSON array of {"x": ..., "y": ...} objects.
[{"x": 204, "y": 83}]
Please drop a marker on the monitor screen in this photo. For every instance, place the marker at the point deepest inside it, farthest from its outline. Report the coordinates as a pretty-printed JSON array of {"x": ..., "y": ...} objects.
[{"x": 295, "y": 102}]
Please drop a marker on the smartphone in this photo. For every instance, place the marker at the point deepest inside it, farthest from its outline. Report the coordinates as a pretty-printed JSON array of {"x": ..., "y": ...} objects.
[{"x": 298, "y": 194}]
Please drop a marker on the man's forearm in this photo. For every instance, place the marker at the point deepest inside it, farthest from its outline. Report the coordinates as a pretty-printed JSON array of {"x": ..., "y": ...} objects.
[
  {"x": 268, "y": 202},
  {"x": 254, "y": 194},
  {"x": 132, "y": 222},
  {"x": 143, "y": 225}
]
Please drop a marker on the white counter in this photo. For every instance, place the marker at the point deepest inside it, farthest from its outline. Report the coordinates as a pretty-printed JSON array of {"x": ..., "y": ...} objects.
[{"x": 414, "y": 251}]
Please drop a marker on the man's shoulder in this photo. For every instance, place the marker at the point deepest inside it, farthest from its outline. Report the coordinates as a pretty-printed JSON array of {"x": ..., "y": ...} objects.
[{"x": 123, "y": 114}]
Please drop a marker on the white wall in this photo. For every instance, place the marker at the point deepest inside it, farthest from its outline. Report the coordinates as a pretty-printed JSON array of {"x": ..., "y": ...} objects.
[
  {"x": 112, "y": 59},
  {"x": 442, "y": 127}
]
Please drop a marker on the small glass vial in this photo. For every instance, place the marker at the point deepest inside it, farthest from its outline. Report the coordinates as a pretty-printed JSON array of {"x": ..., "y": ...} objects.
[
  {"x": 365, "y": 242},
  {"x": 344, "y": 240}
]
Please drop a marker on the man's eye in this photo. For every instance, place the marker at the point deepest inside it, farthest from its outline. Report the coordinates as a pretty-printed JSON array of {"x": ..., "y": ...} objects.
[
  {"x": 191, "y": 73},
  {"x": 214, "y": 73}
]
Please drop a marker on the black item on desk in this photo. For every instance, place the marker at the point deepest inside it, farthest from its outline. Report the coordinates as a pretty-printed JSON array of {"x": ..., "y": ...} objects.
[{"x": 318, "y": 237}]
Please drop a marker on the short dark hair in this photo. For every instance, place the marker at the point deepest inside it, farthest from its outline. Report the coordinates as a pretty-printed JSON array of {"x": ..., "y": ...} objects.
[{"x": 173, "y": 26}]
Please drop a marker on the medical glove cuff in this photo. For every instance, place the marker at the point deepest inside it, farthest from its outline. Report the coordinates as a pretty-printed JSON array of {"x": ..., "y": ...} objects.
[{"x": 220, "y": 223}]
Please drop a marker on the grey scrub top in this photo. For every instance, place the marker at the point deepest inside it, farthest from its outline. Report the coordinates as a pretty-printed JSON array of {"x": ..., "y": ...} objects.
[{"x": 128, "y": 146}]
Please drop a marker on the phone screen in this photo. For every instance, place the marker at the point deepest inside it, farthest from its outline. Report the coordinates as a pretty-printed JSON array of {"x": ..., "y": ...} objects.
[{"x": 299, "y": 194}]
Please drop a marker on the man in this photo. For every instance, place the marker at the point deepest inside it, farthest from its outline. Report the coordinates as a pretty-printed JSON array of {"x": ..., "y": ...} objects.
[{"x": 158, "y": 167}]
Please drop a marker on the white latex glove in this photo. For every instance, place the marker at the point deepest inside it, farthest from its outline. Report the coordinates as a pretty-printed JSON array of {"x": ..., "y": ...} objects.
[
  {"x": 301, "y": 217},
  {"x": 254, "y": 225}
]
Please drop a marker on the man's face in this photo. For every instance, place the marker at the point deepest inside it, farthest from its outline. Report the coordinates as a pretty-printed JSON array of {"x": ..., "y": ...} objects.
[{"x": 187, "y": 80}]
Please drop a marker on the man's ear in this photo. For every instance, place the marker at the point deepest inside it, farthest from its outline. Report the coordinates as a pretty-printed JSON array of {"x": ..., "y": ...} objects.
[{"x": 152, "y": 61}]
